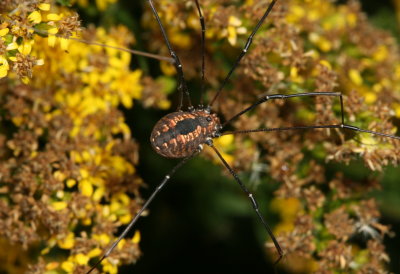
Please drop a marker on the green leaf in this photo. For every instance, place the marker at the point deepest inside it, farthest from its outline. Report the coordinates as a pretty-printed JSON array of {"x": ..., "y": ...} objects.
[{"x": 66, "y": 3}]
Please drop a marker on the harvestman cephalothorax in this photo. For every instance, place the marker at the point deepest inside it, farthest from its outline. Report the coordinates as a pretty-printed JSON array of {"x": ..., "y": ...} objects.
[{"x": 182, "y": 134}]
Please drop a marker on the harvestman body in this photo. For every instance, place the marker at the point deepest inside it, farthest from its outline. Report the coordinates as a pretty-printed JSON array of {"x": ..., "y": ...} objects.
[{"x": 182, "y": 134}]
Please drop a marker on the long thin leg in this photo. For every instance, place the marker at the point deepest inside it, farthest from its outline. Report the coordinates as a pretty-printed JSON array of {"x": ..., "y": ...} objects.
[
  {"x": 203, "y": 50},
  {"x": 244, "y": 51},
  {"x": 342, "y": 125},
  {"x": 182, "y": 87},
  {"x": 282, "y": 96},
  {"x": 132, "y": 51},
  {"x": 253, "y": 202},
  {"x": 146, "y": 204}
]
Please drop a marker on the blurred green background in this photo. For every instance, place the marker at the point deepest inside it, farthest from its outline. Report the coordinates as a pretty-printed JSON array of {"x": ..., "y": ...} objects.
[{"x": 201, "y": 222}]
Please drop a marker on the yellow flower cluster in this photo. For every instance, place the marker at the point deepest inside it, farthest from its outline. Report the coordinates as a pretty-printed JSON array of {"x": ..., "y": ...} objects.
[
  {"x": 336, "y": 24},
  {"x": 105, "y": 82},
  {"x": 76, "y": 92},
  {"x": 231, "y": 32},
  {"x": 230, "y": 27},
  {"x": 17, "y": 31}
]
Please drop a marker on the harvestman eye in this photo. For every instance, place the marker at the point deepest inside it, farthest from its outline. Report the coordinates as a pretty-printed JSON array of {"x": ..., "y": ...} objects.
[{"x": 181, "y": 134}]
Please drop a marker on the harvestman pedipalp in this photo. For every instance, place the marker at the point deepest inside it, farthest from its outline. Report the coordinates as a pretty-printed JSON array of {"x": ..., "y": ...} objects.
[{"x": 183, "y": 133}]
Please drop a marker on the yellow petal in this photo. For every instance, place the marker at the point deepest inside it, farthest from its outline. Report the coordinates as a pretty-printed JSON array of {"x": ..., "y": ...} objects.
[
  {"x": 381, "y": 53},
  {"x": 44, "y": 7},
  {"x": 232, "y": 35},
  {"x": 59, "y": 205},
  {"x": 126, "y": 101},
  {"x": 225, "y": 140},
  {"x": 39, "y": 62},
  {"x": 3, "y": 71},
  {"x": 355, "y": 77},
  {"x": 234, "y": 21},
  {"x": 94, "y": 252},
  {"x": 52, "y": 31},
  {"x": 25, "y": 80},
  {"x": 98, "y": 193},
  {"x": 45, "y": 251},
  {"x": 87, "y": 221},
  {"x": 58, "y": 175},
  {"x": 136, "y": 237},
  {"x": 103, "y": 238},
  {"x": 35, "y": 17},
  {"x": 4, "y": 31},
  {"x": 70, "y": 183},
  {"x": 121, "y": 244},
  {"x": 123, "y": 198},
  {"x": 125, "y": 219},
  {"x": 68, "y": 266},
  {"x": 12, "y": 46},
  {"x": 51, "y": 40},
  {"x": 53, "y": 17},
  {"x": 370, "y": 97},
  {"x": 52, "y": 265},
  {"x": 68, "y": 242},
  {"x": 86, "y": 187},
  {"x": 294, "y": 72},
  {"x": 81, "y": 258},
  {"x": 164, "y": 104},
  {"x": 109, "y": 268},
  {"x": 167, "y": 68},
  {"x": 64, "y": 43}
]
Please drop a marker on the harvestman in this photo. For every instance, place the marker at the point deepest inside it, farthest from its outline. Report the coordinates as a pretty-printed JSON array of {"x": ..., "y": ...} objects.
[{"x": 183, "y": 133}]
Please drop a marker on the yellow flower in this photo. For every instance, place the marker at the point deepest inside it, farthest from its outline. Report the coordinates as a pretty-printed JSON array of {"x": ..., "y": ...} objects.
[
  {"x": 98, "y": 193},
  {"x": 70, "y": 183},
  {"x": 381, "y": 53},
  {"x": 59, "y": 205},
  {"x": 167, "y": 68},
  {"x": 94, "y": 252},
  {"x": 35, "y": 17},
  {"x": 4, "y": 31},
  {"x": 234, "y": 28},
  {"x": 81, "y": 259},
  {"x": 53, "y": 17},
  {"x": 52, "y": 266},
  {"x": 68, "y": 266},
  {"x": 4, "y": 67},
  {"x": 323, "y": 44},
  {"x": 44, "y": 7},
  {"x": 109, "y": 267},
  {"x": 136, "y": 237},
  {"x": 326, "y": 64},
  {"x": 370, "y": 97},
  {"x": 52, "y": 38},
  {"x": 86, "y": 187},
  {"x": 67, "y": 242},
  {"x": 355, "y": 77},
  {"x": 12, "y": 46},
  {"x": 225, "y": 141},
  {"x": 103, "y": 238},
  {"x": 125, "y": 219}
]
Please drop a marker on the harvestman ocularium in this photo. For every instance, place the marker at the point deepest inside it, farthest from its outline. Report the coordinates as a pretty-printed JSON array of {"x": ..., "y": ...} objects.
[{"x": 183, "y": 133}]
